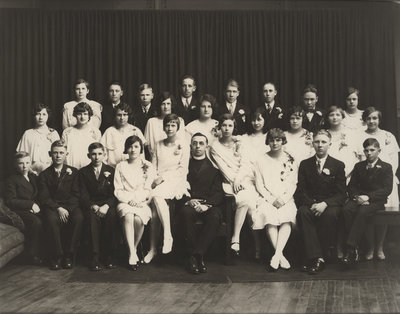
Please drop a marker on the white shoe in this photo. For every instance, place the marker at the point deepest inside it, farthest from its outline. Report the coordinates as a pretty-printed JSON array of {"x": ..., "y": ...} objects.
[
  {"x": 167, "y": 246},
  {"x": 149, "y": 256},
  {"x": 274, "y": 263},
  {"x": 284, "y": 263}
]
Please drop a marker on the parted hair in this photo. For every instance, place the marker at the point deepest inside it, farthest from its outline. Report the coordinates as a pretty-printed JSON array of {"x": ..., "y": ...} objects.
[
  {"x": 171, "y": 117},
  {"x": 323, "y": 132},
  {"x": 371, "y": 142},
  {"x": 82, "y": 107},
  {"x": 20, "y": 154},
  {"x": 370, "y": 110},
  {"x": 95, "y": 145},
  {"x": 123, "y": 107},
  {"x": 130, "y": 140},
  {"x": 58, "y": 143},
  {"x": 275, "y": 133},
  {"x": 81, "y": 81},
  {"x": 227, "y": 116}
]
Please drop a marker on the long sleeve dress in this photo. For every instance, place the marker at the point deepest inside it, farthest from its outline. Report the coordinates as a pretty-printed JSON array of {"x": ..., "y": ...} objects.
[{"x": 299, "y": 145}]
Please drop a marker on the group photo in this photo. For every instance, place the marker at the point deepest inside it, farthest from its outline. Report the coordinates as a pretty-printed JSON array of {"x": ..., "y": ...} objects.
[{"x": 162, "y": 162}]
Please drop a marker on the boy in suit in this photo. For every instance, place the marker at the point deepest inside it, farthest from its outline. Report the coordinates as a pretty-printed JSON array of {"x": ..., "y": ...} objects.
[
  {"x": 145, "y": 110},
  {"x": 96, "y": 185},
  {"x": 320, "y": 195},
  {"x": 205, "y": 203},
  {"x": 187, "y": 104},
  {"x": 370, "y": 185},
  {"x": 21, "y": 197},
  {"x": 59, "y": 199},
  {"x": 273, "y": 113},
  {"x": 313, "y": 120}
]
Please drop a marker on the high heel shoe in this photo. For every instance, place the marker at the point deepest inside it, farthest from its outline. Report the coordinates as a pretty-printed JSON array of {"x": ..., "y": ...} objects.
[
  {"x": 235, "y": 248},
  {"x": 284, "y": 263},
  {"x": 167, "y": 246},
  {"x": 149, "y": 256},
  {"x": 380, "y": 256},
  {"x": 140, "y": 253},
  {"x": 274, "y": 263}
]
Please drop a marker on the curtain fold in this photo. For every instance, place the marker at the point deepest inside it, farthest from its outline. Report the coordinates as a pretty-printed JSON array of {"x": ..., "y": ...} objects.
[{"x": 45, "y": 51}]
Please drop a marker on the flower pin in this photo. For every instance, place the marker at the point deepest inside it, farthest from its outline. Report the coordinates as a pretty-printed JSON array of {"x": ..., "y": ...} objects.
[
  {"x": 192, "y": 107},
  {"x": 178, "y": 149},
  {"x": 318, "y": 113},
  {"x": 107, "y": 174},
  {"x": 241, "y": 111},
  {"x": 278, "y": 109},
  {"x": 280, "y": 116},
  {"x": 68, "y": 171},
  {"x": 378, "y": 166},
  {"x": 326, "y": 171}
]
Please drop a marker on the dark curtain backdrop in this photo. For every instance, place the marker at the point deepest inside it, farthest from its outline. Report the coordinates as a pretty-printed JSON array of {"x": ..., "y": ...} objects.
[{"x": 43, "y": 52}]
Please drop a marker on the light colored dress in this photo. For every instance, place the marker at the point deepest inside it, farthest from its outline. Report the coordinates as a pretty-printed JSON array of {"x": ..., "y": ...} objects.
[
  {"x": 354, "y": 121},
  {"x": 78, "y": 141},
  {"x": 171, "y": 163},
  {"x": 154, "y": 132},
  {"x": 114, "y": 139},
  {"x": 69, "y": 120},
  {"x": 254, "y": 145},
  {"x": 389, "y": 154},
  {"x": 299, "y": 145},
  {"x": 133, "y": 182},
  {"x": 344, "y": 147},
  {"x": 275, "y": 179},
  {"x": 234, "y": 165},
  {"x": 209, "y": 129},
  {"x": 37, "y": 143}
]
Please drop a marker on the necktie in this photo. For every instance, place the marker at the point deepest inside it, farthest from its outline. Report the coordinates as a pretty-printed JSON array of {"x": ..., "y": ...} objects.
[
  {"x": 187, "y": 103},
  {"x": 58, "y": 173},
  {"x": 144, "y": 110},
  {"x": 230, "y": 108},
  {"x": 269, "y": 108},
  {"x": 369, "y": 166},
  {"x": 319, "y": 166},
  {"x": 97, "y": 173}
]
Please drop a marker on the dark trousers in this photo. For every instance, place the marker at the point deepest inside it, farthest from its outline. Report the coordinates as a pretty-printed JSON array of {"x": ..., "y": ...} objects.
[
  {"x": 199, "y": 243},
  {"x": 33, "y": 230},
  {"x": 103, "y": 230},
  {"x": 71, "y": 231},
  {"x": 319, "y": 233},
  {"x": 355, "y": 218}
]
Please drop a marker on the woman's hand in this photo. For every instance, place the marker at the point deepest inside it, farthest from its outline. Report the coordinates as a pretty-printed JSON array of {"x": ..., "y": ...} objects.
[
  {"x": 237, "y": 187},
  {"x": 156, "y": 182}
]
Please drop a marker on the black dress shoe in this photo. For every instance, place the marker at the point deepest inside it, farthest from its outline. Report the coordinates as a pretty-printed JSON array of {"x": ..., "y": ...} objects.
[
  {"x": 68, "y": 263},
  {"x": 200, "y": 262},
  {"x": 235, "y": 252},
  {"x": 95, "y": 266},
  {"x": 316, "y": 267},
  {"x": 134, "y": 267},
  {"x": 192, "y": 266},
  {"x": 351, "y": 257},
  {"x": 110, "y": 264},
  {"x": 55, "y": 264},
  {"x": 304, "y": 268}
]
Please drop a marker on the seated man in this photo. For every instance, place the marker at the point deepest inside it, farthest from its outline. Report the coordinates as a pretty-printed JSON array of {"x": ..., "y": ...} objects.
[
  {"x": 370, "y": 185},
  {"x": 205, "y": 202},
  {"x": 59, "y": 199},
  {"x": 21, "y": 197},
  {"x": 96, "y": 185},
  {"x": 320, "y": 195}
]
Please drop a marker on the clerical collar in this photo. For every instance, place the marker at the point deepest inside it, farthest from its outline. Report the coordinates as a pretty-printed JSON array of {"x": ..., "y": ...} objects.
[{"x": 199, "y": 158}]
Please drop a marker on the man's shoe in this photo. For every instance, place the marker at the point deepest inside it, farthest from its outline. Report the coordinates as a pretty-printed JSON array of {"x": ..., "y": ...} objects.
[
  {"x": 110, "y": 264},
  {"x": 200, "y": 262},
  {"x": 55, "y": 264},
  {"x": 68, "y": 263},
  {"x": 95, "y": 266},
  {"x": 316, "y": 267},
  {"x": 192, "y": 266},
  {"x": 351, "y": 256}
]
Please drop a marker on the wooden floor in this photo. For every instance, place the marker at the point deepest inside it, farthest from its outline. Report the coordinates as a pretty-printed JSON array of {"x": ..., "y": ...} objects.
[{"x": 36, "y": 289}]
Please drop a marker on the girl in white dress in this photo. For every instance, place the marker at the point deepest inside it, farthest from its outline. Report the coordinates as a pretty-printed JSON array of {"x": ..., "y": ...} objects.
[
  {"x": 227, "y": 154},
  {"x": 352, "y": 115},
  {"x": 114, "y": 137},
  {"x": 255, "y": 141},
  {"x": 171, "y": 161},
  {"x": 78, "y": 138},
  {"x": 299, "y": 140},
  {"x": 344, "y": 144},
  {"x": 132, "y": 181},
  {"x": 276, "y": 180},
  {"x": 154, "y": 131},
  {"x": 37, "y": 141},
  {"x": 389, "y": 153},
  {"x": 205, "y": 124}
]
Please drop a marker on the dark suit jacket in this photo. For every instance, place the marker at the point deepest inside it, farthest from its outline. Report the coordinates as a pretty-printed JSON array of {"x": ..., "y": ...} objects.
[
  {"x": 329, "y": 186},
  {"x": 275, "y": 118},
  {"x": 206, "y": 183},
  {"x": 57, "y": 192},
  {"x": 189, "y": 114},
  {"x": 242, "y": 117},
  {"x": 316, "y": 123},
  {"x": 376, "y": 183},
  {"x": 21, "y": 194},
  {"x": 96, "y": 192},
  {"x": 140, "y": 118},
  {"x": 108, "y": 119}
]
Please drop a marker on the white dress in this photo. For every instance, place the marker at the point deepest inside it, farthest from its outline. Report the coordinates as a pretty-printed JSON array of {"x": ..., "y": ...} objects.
[
  {"x": 78, "y": 141},
  {"x": 389, "y": 153},
  {"x": 133, "y": 182},
  {"x": 209, "y": 129},
  {"x": 354, "y": 121},
  {"x": 275, "y": 179},
  {"x": 114, "y": 139},
  {"x": 254, "y": 145},
  {"x": 37, "y": 143},
  {"x": 299, "y": 145},
  {"x": 171, "y": 163},
  {"x": 154, "y": 132},
  {"x": 69, "y": 120}
]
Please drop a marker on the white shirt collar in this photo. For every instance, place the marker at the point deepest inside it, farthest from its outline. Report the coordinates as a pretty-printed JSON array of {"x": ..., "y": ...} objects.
[
  {"x": 228, "y": 105},
  {"x": 199, "y": 158},
  {"x": 373, "y": 164},
  {"x": 323, "y": 160},
  {"x": 185, "y": 100},
  {"x": 271, "y": 105}
]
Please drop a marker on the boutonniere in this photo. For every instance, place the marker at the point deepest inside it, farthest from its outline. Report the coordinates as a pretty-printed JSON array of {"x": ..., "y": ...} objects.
[
  {"x": 107, "y": 174},
  {"x": 378, "y": 166},
  {"x": 280, "y": 116},
  {"x": 49, "y": 135},
  {"x": 326, "y": 171},
  {"x": 68, "y": 171},
  {"x": 387, "y": 139},
  {"x": 178, "y": 149},
  {"x": 279, "y": 109},
  {"x": 192, "y": 107},
  {"x": 241, "y": 111},
  {"x": 145, "y": 167}
]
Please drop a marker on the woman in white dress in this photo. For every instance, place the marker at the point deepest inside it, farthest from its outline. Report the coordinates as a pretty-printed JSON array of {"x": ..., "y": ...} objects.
[
  {"x": 78, "y": 138},
  {"x": 171, "y": 161},
  {"x": 37, "y": 141},
  {"x": 114, "y": 137},
  {"x": 389, "y": 153},
  {"x": 154, "y": 131},
  {"x": 255, "y": 141},
  {"x": 276, "y": 180},
  {"x": 352, "y": 115},
  {"x": 228, "y": 155},
  {"x": 132, "y": 181},
  {"x": 205, "y": 124},
  {"x": 299, "y": 140},
  {"x": 344, "y": 144}
]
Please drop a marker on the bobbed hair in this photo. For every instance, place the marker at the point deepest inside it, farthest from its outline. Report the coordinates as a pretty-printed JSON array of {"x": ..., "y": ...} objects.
[{"x": 130, "y": 140}]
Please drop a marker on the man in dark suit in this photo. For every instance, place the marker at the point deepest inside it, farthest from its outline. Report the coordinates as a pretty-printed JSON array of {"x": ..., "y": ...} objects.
[
  {"x": 59, "y": 199},
  {"x": 205, "y": 203},
  {"x": 21, "y": 197},
  {"x": 273, "y": 113},
  {"x": 98, "y": 202},
  {"x": 313, "y": 120},
  {"x": 187, "y": 104},
  {"x": 240, "y": 112},
  {"x": 145, "y": 109},
  {"x": 370, "y": 185},
  {"x": 320, "y": 195}
]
